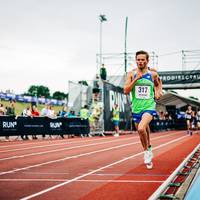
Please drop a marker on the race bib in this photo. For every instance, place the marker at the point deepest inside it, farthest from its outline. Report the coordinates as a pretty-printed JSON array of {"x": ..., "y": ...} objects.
[
  {"x": 188, "y": 116},
  {"x": 142, "y": 92}
]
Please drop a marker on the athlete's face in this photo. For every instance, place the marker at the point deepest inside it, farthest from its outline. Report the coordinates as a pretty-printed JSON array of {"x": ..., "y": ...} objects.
[{"x": 141, "y": 61}]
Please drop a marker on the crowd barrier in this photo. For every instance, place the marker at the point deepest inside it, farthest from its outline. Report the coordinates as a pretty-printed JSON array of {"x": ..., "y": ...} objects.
[
  {"x": 164, "y": 125},
  {"x": 11, "y": 126}
]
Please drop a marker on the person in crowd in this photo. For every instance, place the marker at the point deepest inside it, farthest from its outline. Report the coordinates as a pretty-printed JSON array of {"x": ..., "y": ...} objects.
[
  {"x": 2, "y": 110},
  {"x": 34, "y": 111},
  {"x": 26, "y": 113},
  {"x": 84, "y": 114},
  {"x": 103, "y": 73},
  {"x": 71, "y": 114},
  {"x": 96, "y": 113},
  {"x": 11, "y": 108},
  {"x": 63, "y": 112},
  {"x": 52, "y": 113},
  {"x": 115, "y": 119},
  {"x": 45, "y": 112},
  {"x": 10, "y": 111},
  {"x": 198, "y": 119},
  {"x": 92, "y": 123},
  {"x": 189, "y": 119},
  {"x": 145, "y": 87}
]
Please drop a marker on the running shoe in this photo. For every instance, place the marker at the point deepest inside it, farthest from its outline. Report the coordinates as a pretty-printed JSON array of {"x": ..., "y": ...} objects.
[
  {"x": 147, "y": 157},
  {"x": 150, "y": 151},
  {"x": 149, "y": 165}
]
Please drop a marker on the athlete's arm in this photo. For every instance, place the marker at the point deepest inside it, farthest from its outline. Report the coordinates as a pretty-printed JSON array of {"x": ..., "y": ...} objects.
[
  {"x": 130, "y": 81},
  {"x": 157, "y": 85}
]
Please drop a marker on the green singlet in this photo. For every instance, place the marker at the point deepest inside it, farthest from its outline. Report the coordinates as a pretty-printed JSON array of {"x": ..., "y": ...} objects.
[{"x": 143, "y": 94}]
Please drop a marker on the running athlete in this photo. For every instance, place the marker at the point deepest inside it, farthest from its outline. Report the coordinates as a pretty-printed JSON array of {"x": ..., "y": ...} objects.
[
  {"x": 198, "y": 119},
  {"x": 189, "y": 118},
  {"x": 145, "y": 86}
]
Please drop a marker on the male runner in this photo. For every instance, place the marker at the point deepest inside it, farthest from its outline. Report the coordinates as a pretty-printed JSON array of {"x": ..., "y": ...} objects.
[{"x": 145, "y": 86}]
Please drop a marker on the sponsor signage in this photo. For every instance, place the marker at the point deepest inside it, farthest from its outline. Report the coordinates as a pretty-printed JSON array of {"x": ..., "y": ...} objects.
[
  {"x": 42, "y": 125},
  {"x": 112, "y": 95},
  {"x": 180, "y": 79}
]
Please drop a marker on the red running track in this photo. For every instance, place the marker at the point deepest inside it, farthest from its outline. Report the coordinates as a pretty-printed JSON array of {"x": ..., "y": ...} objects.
[{"x": 89, "y": 168}]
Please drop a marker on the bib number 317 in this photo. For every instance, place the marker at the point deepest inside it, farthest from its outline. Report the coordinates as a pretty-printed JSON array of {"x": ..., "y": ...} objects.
[{"x": 142, "y": 92}]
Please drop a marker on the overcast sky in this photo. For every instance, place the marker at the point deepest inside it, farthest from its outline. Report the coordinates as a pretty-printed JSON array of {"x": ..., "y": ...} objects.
[{"x": 50, "y": 42}]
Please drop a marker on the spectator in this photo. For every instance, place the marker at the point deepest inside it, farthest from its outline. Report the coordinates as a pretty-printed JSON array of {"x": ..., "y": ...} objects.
[
  {"x": 10, "y": 111},
  {"x": 34, "y": 111},
  {"x": 71, "y": 114},
  {"x": 115, "y": 119},
  {"x": 45, "y": 113},
  {"x": 51, "y": 113},
  {"x": 63, "y": 112},
  {"x": 26, "y": 113},
  {"x": 2, "y": 110},
  {"x": 103, "y": 73},
  {"x": 84, "y": 114},
  {"x": 11, "y": 108},
  {"x": 96, "y": 113}
]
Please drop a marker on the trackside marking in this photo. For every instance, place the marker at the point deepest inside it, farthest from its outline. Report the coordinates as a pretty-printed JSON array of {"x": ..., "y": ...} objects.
[
  {"x": 69, "y": 148},
  {"x": 83, "y": 180},
  {"x": 157, "y": 193},
  {"x": 94, "y": 171},
  {"x": 75, "y": 156},
  {"x": 50, "y": 145},
  {"x": 62, "y": 149}
]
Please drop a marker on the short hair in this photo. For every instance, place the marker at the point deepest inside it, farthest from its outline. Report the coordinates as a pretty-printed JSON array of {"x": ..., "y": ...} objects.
[{"x": 142, "y": 52}]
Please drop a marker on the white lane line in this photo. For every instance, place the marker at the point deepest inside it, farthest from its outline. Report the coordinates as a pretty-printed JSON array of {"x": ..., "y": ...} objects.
[
  {"x": 98, "y": 174},
  {"x": 94, "y": 171},
  {"x": 83, "y": 180},
  {"x": 27, "y": 143},
  {"x": 63, "y": 149},
  {"x": 132, "y": 174},
  {"x": 69, "y": 148},
  {"x": 75, "y": 156},
  {"x": 46, "y": 173},
  {"x": 50, "y": 145}
]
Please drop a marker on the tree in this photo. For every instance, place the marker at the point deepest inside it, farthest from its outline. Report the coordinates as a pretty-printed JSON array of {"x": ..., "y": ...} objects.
[
  {"x": 83, "y": 82},
  {"x": 39, "y": 91},
  {"x": 59, "y": 95}
]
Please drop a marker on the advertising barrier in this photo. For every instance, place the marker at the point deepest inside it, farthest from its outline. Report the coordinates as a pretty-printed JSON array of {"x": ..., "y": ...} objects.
[{"x": 11, "y": 126}]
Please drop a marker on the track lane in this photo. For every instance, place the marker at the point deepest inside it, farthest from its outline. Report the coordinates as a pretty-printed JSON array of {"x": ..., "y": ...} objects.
[
  {"x": 69, "y": 154},
  {"x": 83, "y": 163}
]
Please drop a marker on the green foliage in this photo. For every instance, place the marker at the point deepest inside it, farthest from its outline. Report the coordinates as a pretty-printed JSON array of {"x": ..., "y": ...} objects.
[
  {"x": 59, "y": 95},
  {"x": 83, "y": 82},
  {"x": 39, "y": 91}
]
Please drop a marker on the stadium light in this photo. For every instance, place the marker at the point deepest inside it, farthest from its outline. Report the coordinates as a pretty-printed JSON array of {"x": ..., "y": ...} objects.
[{"x": 102, "y": 19}]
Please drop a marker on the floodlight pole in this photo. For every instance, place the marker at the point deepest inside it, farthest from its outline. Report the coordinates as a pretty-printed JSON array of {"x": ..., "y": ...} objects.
[
  {"x": 102, "y": 18},
  {"x": 125, "y": 46}
]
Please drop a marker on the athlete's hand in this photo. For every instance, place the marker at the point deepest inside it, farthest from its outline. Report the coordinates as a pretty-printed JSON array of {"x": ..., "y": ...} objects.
[{"x": 158, "y": 94}]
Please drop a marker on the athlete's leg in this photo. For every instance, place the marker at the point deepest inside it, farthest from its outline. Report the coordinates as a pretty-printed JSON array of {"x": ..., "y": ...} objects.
[
  {"x": 188, "y": 125},
  {"x": 142, "y": 129},
  {"x": 148, "y": 135}
]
